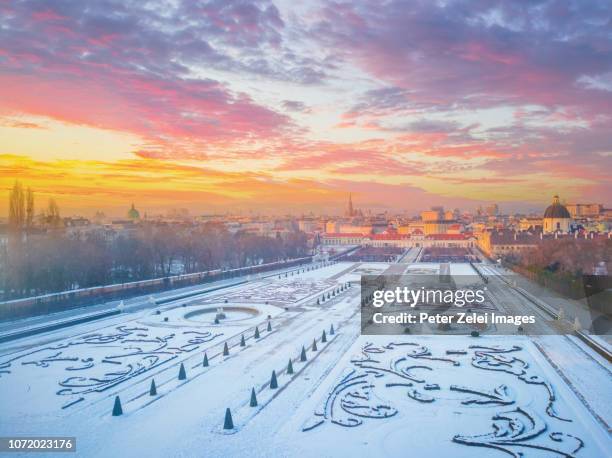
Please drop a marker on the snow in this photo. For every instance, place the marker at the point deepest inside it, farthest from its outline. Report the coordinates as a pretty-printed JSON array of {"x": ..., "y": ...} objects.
[
  {"x": 352, "y": 415},
  {"x": 462, "y": 269},
  {"x": 354, "y": 396}
]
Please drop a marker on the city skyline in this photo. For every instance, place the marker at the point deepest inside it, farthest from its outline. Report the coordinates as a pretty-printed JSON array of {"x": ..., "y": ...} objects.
[{"x": 276, "y": 107}]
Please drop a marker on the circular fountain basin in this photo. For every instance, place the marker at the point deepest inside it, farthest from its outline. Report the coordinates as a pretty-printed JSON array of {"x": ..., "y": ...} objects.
[{"x": 232, "y": 314}]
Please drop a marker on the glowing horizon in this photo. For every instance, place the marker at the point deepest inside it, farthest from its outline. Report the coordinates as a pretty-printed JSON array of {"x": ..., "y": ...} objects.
[{"x": 272, "y": 107}]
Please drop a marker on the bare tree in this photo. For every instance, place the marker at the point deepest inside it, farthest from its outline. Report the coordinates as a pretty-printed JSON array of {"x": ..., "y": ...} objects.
[
  {"x": 53, "y": 214},
  {"x": 17, "y": 212},
  {"x": 58, "y": 260},
  {"x": 29, "y": 210}
]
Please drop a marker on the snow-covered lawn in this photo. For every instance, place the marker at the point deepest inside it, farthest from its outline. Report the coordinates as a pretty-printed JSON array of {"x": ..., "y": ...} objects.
[
  {"x": 352, "y": 395},
  {"x": 459, "y": 396}
]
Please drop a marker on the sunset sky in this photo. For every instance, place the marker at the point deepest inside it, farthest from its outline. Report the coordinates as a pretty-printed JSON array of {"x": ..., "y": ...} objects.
[{"x": 287, "y": 106}]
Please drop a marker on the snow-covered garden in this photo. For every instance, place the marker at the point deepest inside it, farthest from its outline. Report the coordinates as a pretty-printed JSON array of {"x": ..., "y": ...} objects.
[{"x": 277, "y": 367}]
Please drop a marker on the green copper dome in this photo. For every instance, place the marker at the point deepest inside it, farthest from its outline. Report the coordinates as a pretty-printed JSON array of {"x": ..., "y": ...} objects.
[{"x": 133, "y": 213}]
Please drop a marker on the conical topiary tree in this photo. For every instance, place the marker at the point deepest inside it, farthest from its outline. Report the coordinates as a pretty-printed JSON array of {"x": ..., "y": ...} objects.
[
  {"x": 273, "y": 381},
  {"x": 228, "y": 423},
  {"x": 153, "y": 389},
  {"x": 242, "y": 342},
  {"x": 331, "y": 330},
  {"x": 256, "y": 332},
  {"x": 225, "y": 349},
  {"x": 269, "y": 326},
  {"x": 323, "y": 337},
  {"x": 182, "y": 373},
  {"x": 303, "y": 354},
  {"x": 205, "y": 362},
  {"x": 290, "y": 367},
  {"x": 314, "y": 344},
  {"x": 253, "y": 402},
  {"x": 117, "y": 410}
]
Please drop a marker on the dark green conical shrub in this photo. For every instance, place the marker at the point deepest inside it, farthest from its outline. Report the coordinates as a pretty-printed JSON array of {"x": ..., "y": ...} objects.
[
  {"x": 273, "y": 381},
  {"x": 153, "y": 389},
  {"x": 117, "y": 410},
  {"x": 228, "y": 423},
  {"x": 290, "y": 368}
]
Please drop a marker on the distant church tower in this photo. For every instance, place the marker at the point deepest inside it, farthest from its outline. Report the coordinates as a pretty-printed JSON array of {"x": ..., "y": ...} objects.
[{"x": 350, "y": 211}]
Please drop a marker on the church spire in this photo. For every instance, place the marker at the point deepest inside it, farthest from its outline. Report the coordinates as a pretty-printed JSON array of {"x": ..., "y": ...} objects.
[{"x": 350, "y": 210}]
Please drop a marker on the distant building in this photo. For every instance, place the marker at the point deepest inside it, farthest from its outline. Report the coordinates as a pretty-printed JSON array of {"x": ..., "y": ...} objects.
[
  {"x": 411, "y": 227},
  {"x": 308, "y": 225},
  {"x": 531, "y": 224},
  {"x": 437, "y": 221},
  {"x": 335, "y": 227},
  {"x": 416, "y": 239},
  {"x": 76, "y": 221},
  {"x": 502, "y": 243},
  {"x": 556, "y": 217},
  {"x": 455, "y": 228},
  {"x": 431, "y": 215},
  {"x": 352, "y": 212},
  {"x": 584, "y": 210},
  {"x": 133, "y": 214}
]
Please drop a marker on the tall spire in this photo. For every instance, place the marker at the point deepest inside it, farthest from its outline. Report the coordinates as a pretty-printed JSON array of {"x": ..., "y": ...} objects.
[{"x": 350, "y": 210}]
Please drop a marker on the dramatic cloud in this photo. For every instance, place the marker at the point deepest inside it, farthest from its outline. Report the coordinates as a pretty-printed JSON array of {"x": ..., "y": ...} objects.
[
  {"x": 463, "y": 60},
  {"x": 477, "y": 99},
  {"x": 131, "y": 66},
  {"x": 440, "y": 55}
]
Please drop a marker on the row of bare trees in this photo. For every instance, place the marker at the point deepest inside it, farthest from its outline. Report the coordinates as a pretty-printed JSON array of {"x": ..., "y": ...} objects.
[
  {"x": 21, "y": 217},
  {"x": 561, "y": 263},
  {"x": 567, "y": 256},
  {"x": 44, "y": 259}
]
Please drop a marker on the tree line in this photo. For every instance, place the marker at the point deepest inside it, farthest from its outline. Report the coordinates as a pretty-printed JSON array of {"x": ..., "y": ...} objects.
[
  {"x": 42, "y": 257},
  {"x": 560, "y": 264},
  {"x": 566, "y": 256}
]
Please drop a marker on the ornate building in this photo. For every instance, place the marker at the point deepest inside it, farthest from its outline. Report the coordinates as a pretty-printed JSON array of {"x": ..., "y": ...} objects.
[
  {"x": 133, "y": 214},
  {"x": 351, "y": 211},
  {"x": 556, "y": 217}
]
